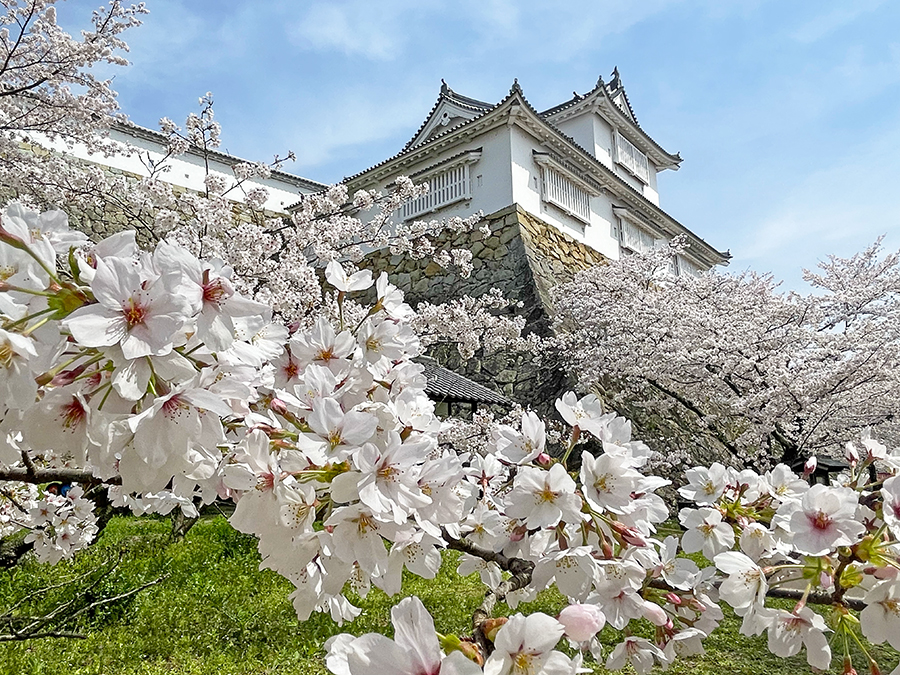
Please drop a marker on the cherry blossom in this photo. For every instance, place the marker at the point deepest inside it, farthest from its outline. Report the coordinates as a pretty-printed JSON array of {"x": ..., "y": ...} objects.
[
  {"x": 802, "y": 628},
  {"x": 707, "y": 532},
  {"x": 143, "y": 318},
  {"x": 825, "y": 518},
  {"x": 746, "y": 583},
  {"x": 582, "y": 622},
  {"x": 543, "y": 498},
  {"x": 880, "y": 620}
]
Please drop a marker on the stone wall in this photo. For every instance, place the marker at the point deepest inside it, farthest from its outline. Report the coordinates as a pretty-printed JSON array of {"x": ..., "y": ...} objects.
[{"x": 523, "y": 257}]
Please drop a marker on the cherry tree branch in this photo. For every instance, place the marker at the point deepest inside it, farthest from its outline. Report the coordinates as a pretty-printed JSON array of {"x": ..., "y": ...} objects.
[
  {"x": 521, "y": 576},
  {"x": 51, "y": 624},
  {"x": 39, "y": 476}
]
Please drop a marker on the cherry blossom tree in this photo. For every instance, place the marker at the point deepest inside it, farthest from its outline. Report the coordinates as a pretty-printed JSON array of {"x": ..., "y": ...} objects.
[
  {"x": 49, "y": 93},
  {"x": 732, "y": 362},
  {"x": 170, "y": 375}
]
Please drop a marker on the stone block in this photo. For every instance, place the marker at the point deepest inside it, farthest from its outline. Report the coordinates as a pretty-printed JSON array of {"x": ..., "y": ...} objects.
[
  {"x": 507, "y": 376},
  {"x": 508, "y": 234}
]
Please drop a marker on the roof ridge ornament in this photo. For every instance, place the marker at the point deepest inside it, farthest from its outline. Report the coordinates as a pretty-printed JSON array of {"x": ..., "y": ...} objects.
[
  {"x": 616, "y": 81},
  {"x": 445, "y": 88},
  {"x": 515, "y": 86}
]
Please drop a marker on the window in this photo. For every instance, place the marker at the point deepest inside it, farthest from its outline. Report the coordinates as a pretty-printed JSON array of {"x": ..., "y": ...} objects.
[
  {"x": 444, "y": 188},
  {"x": 685, "y": 266},
  {"x": 631, "y": 158},
  {"x": 559, "y": 190},
  {"x": 675, "y": 265},
  {"x": 635, "y": 239}
]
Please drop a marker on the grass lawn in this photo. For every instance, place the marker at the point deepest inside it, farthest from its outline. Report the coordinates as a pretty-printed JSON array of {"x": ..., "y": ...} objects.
[{"x": 217, "y": 614}]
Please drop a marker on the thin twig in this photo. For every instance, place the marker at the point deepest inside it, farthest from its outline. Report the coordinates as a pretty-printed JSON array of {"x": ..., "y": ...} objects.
[{"x": 36, "y": 636}]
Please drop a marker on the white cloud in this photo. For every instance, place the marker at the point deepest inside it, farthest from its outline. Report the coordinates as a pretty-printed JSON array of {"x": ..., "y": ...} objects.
[
  {"x": 834, "y": 19},
  {"x": 373, "y": 30},
  {"x": 535, "y": 29},
  {"x": 349, "y": 119},
  {"x": 839, "y": 209}
]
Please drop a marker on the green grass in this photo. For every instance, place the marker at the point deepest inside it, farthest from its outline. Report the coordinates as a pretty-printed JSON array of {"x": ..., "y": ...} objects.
[{"x": 217, "y": 613}]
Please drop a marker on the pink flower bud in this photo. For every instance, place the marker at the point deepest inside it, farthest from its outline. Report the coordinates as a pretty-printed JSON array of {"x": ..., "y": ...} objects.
[
  {"x": 673, "y": 598},
  {"x": 519, "y": 533},
  {"x": 582, "y": 622},
  {"x": 543, "y": 459},
  {"x": 629, "y": 534},
  {"x": 810, "y": 466},
  {"x": 277, "y": 406},
  {"x": 851, "y": 454},
  {"x": 886, "y": 573},
  {"x": 654, "y": 613}
]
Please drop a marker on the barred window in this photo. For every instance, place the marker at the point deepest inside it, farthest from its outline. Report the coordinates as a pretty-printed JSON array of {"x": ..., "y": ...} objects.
[
  {"x": 444, "y": 188},
  {"x": 635, "y": 239},
  {"x": 559, "y": 190},
  {"x": 631, "y": 158}
]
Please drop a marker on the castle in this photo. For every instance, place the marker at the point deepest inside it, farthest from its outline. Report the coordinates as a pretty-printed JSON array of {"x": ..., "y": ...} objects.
[{"x": 561, "y": 190}]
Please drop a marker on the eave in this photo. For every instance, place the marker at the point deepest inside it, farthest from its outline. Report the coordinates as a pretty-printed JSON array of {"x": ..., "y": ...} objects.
[{"x": 599, "y": 101}]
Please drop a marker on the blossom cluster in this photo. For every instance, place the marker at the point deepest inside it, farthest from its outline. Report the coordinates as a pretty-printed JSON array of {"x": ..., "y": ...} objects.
[
  {"x": 60, "y": 524},
  {"x": 150, "y": 373},
  {"x": 731, "y": 364},
  {"x": 775, "y": 529}
]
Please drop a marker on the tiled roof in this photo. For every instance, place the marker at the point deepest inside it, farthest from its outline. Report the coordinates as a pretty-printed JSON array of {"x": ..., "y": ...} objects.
[
  {"x": 408, "y": 147},
  {"x": 447, "y": 94},
  {"x": 464, "y": 101},
  {"x": 627, "y": 191},
  {"x": 615, "y": 87},
  {"x": 443, "y": 384},
  {"x": 609, "y": 91}
]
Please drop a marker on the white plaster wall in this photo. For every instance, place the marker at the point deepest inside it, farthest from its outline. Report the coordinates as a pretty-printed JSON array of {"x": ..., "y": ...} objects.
[
  {"x": 186, "y": 170},
  {"x": 527, "y": 193},
  {"x": 603, "y": 140},
  {"x": 581, "y": 129}
]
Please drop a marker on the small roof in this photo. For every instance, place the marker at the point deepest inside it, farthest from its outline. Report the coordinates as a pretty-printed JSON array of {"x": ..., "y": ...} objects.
[
  {"x": 445, "y": 384},
  {"x": 613, "y": 100},
  {"x": 449, "y": 105}
]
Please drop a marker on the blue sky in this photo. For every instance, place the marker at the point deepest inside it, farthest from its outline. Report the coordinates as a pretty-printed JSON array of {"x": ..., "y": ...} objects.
[{"x": 787, "y": 114}]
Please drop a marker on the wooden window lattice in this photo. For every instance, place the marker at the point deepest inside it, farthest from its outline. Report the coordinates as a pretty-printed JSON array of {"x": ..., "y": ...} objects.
[
  {"x": 444, "y": 188},
  {"x": 631, "y": 158},
  {"x": 562, "y": 192}
]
